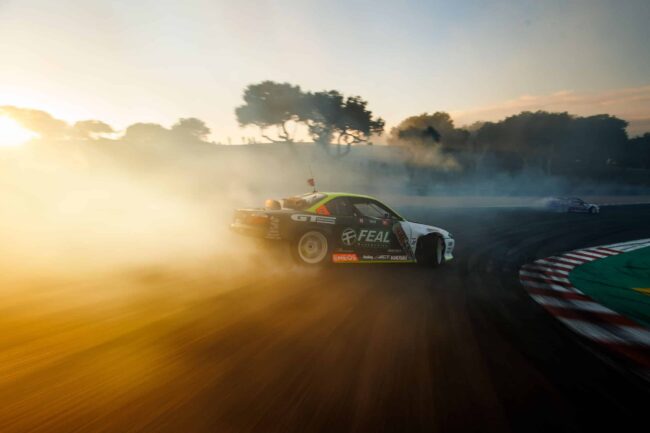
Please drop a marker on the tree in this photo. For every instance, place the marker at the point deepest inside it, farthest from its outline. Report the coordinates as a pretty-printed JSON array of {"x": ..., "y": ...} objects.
[
  {"x": 427, "y": 140},
  {"x": 602, "y": 139},
  {"x": 428, "y": 130},
  {"x": 638, "y": 152},
  {"x": 270, "y": 104},
  {"x": 191, "y": 128},
  {"x": 90, "y": 129},
  {"x": 331, "y": 117},
  {"x": 555, "y": 141},
  {"x": 143, "y": 133}
]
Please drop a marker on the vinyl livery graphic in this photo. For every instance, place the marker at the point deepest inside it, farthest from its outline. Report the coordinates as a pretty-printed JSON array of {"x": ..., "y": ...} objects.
[
  {"x": 376, "y": 236},
  {"x": 314, "y": 219},
  {"x": 344, "y": 258},
  {"x": 349, "y": 236},
  {"x": 344, "y": 228}
]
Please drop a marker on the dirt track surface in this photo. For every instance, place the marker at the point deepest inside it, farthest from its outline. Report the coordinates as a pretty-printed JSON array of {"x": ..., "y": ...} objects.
[{"x": 372, "y": 348}]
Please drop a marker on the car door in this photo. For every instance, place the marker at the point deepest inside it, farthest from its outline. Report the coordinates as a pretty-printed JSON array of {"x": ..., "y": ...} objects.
[
  {"x": 375, "y": 236},
  {"x": 345, "y": 230}
]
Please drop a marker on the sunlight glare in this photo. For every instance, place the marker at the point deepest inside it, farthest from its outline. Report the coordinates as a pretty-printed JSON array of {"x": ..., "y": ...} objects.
[{"x": 12, "y": 134}]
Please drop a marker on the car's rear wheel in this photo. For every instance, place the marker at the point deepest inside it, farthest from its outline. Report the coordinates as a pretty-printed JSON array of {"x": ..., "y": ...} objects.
[
  {"x": 312, "y": 248},
  {"x": 430, "y": 251},
  {"x": 592, "y": 210}
]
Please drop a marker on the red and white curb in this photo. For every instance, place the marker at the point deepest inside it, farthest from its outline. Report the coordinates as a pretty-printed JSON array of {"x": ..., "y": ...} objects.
[{"x": 547, "y": 282}]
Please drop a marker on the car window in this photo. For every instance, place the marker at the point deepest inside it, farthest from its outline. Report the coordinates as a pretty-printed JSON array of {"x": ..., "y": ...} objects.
[
  {"x": 372, "y": 209},
  {"x": 339, "y": 206}
]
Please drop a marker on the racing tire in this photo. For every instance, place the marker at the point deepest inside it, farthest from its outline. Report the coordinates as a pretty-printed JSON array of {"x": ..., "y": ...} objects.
[
  {"x": 430, "y": 251},
  {"x": 312, "y": 248}
]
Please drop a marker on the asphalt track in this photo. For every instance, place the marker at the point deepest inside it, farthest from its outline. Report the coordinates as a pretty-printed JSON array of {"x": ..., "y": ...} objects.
[{"x": 352, "y": 348}]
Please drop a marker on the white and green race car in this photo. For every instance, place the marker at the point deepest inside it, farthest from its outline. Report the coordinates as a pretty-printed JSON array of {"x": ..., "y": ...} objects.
[{"x": 345, "y": 228}]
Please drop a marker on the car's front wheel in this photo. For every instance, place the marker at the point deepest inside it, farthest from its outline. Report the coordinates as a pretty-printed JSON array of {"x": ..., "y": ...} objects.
[
  {"x": 430, "y": 251},
  {"x": 312, "y": 248}
]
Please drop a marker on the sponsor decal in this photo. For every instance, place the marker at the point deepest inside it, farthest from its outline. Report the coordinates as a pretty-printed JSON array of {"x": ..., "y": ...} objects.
[
  {"x": 384, "y": 258},
  {"x": 374, "y": 236},
  {"x": 349, "y": 236},
  {"x": 345, "y": 258},
  {"x": 319, "y": 219},
  {"x": 365, "y": 237},
  {"x": 403, "y": 239}
]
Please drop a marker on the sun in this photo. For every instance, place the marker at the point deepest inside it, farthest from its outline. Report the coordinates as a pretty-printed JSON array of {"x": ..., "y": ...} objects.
[{"x": 12, "y": 134}]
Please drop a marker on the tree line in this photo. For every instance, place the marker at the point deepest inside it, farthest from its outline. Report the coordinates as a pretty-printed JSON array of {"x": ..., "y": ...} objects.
[
  {"x": 553, "y": 143},
  {"x": 550, "y": 142},
  {"x": 185, "y": 130}
]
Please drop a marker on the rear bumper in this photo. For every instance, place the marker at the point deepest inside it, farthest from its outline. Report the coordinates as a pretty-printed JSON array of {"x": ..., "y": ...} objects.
[{"x": 248, "y": 230}]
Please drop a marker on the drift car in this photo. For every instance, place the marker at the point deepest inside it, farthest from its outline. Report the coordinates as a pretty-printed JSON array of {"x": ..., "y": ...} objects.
[
  {"x": 572, "y": 204},
  {"x": 345, "y": 228}
]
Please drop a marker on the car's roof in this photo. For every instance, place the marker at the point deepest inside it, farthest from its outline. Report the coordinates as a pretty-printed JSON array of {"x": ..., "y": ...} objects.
[
  {"x": 332, "y": 195},
  {"x": 346, "y": 194}
]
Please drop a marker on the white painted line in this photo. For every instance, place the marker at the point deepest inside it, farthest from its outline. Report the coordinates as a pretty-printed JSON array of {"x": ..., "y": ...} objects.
[
  {"x": 592, "y": 331},
  {"x": 549, "y": 286},
  {"x": 592, "y": 256},
  {"x": 546, "y": 276},
  {"x": 609, "y": 333},
  {"x": 638, "y": 335},
  {"x": 568, "y": 260},
  {"x": 548, "y": 269},
  {"x": 602, "y": 251},
  {"x": 629, "y": 246},
  {"x": 577, "y": 257},
  {"x": 554, "y": 264},
  {"x": 589, "y": 318},
  {"x": 572, "y": 304}
]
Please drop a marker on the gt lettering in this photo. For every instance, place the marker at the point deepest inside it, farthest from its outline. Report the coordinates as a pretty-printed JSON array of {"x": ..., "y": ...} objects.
[
  {"x": 313, "y": 219},
  {"x": 375, "y": 236}
]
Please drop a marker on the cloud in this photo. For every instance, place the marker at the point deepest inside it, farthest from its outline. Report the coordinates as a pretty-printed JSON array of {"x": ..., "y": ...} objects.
[{"x": 631, "y": 104}]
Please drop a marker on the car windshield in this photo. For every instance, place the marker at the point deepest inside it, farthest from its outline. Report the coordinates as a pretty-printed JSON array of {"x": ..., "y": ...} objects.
[{"x": 302, "y": 202}]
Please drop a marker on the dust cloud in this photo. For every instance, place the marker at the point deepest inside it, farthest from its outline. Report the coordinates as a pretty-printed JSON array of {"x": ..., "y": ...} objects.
[
  {"x": 73, "y": 209},
  {"x": 82, "y": 213}
]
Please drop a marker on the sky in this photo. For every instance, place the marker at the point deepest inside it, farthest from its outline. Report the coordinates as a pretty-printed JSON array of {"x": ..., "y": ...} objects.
[{"x": 156, "y": 61}]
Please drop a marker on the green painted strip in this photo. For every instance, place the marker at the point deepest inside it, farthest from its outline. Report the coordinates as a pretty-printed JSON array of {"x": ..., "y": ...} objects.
[{"x": 615, "y": 282}]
